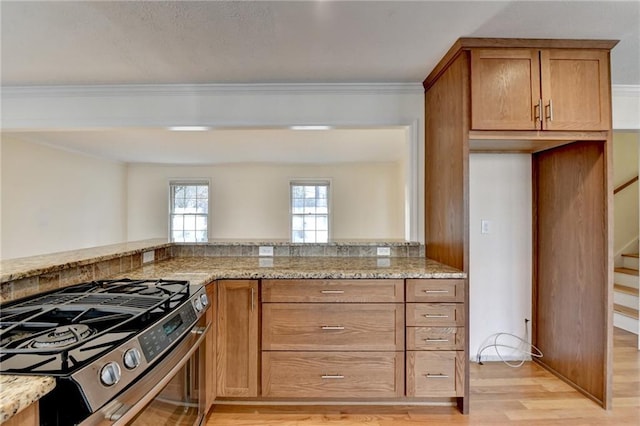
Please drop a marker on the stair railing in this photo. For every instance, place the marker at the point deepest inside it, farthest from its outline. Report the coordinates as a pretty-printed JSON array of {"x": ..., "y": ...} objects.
[{"x": 626, "y": 184}]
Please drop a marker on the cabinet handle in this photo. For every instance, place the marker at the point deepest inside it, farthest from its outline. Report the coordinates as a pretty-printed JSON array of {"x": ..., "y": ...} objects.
[
  {"x": 332, "y": 327},
  {"x": 549, "y": 109},
  {"x": 436, "y": 291},
  {"x": 436, "y": 340},
  {"x": 436, "y": 376},
  {"x": 332, "y": 376},
  {"x": 252, "y": 299},
  {"x": 332, "y": 291},
  {"x": 435, "y": 316},
  {"x": 537, "y": 111}
]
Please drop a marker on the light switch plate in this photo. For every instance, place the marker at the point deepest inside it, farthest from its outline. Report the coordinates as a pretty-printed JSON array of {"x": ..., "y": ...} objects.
[
  {"x": 485, "y": 227},
  {"x": 265, "y": 251}
]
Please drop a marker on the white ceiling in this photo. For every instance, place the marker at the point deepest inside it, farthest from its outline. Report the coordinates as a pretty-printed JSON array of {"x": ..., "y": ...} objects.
[{"x": 108, "y": 42}]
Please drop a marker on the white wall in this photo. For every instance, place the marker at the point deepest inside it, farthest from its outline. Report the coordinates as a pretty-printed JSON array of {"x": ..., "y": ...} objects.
[
  {"x": 251, "y": 201},
  {"x": 626, "y": 209},
  {"x": 500, "y": 261},
  {"x": 54, "y": 200}
]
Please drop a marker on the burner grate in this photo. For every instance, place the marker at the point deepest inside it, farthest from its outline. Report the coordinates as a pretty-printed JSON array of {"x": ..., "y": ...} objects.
[{"x": 136, "y": 302}]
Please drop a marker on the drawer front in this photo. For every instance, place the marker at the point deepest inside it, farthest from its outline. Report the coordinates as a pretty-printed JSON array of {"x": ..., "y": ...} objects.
[
  {"x": 436, "y": 290},
  {"x": 331, "y": 326},
  {"x": 435, "y": 338},
  {"x": 435, "y": 314},
  {"x": 355, "y": 291},
  {"x": 332, "y": 374},
  {"x": 435, "y": 373}
]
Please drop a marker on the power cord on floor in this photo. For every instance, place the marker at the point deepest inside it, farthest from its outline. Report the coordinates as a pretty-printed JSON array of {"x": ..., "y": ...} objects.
[{"x": 524, "y": 348}]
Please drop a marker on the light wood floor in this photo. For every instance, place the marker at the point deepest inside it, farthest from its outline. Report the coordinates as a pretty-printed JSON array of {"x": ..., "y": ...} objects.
[{"x": 500, "y": 395}]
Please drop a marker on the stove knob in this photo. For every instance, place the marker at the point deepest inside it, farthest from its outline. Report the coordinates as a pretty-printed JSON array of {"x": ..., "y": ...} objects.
[
  {"x": 110, "y": 374},
  {"x": 131, "y": 358},
  {"x": 198, "y": 304},
  {"x": 204, "y": 299}
]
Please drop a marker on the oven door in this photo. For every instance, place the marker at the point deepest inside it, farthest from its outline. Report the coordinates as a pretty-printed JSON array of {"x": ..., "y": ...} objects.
[{"x": 172, "y": 393}]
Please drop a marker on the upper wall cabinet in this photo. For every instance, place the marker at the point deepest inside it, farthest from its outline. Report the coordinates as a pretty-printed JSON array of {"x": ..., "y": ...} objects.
[{"x": 540, "y": 89}]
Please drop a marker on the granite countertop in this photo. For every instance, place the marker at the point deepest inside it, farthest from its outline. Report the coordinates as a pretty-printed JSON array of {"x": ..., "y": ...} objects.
[
  {"x": 202, "y": 270},
  {"x": 18, "y": 392}
]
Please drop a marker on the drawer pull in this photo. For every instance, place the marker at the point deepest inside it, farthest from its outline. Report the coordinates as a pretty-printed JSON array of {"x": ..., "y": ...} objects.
[
  {"x": 332, "y": 327},
  {"x": 436, "y": 376},
  {"x": 436, "y": 316},
  {"x": 332, "y": 291},
  {"x": 436, "y": 291},
  {"x": 332, "y": 376},
  {"x": 436, "y": 340}
]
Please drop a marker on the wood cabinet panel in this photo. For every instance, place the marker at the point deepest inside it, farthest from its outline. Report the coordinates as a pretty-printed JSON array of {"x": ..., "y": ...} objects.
[
  {"x": 435, "y": 314},
  {"x": 576, "y": 89},
  {"x": 435, "y": 290},
  {"x": 435, "y": 373},
  {"x": 505, "y": 89},
  {"x": 332, "y": 374},
  {"x": 210, "y": 348},
  {"x": 324, "y": 291},
  {"x": 237, "y": 338},
  {"x": 30, "y": 416},
  {"x": 321, "y": 326},
  {"x": 435, "y": 338}
]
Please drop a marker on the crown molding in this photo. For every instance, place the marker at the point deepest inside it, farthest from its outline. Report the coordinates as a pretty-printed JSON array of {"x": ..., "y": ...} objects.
[
  {"x": 625, "y": 90},
  {"x": 118, "y": 90}
]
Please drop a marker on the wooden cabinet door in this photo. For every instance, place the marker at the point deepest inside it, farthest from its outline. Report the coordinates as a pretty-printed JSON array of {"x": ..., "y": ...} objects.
[
  {"x": 237, "y": 338},
  {"x": 505, "y": 89},
  {"x": 210, "y": 349},
  {"x": 575, "y": 89}
]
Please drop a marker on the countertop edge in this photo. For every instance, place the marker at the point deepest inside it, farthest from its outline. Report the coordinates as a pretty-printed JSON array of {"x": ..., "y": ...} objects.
[{"x": 24, "y": 390}]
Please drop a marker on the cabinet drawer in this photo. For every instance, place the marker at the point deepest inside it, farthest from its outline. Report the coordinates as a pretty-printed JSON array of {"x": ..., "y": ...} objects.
[
  {"x": 356, "y": 291},
  {"x": 435, "y": 338},
  {"x": 435, "y": 290},
  {"x": 332, "y": 374},
  {"x": 436, "y": 373},
  {"x": 435, "y": 314},
  {"x": 331, "y": 326}
]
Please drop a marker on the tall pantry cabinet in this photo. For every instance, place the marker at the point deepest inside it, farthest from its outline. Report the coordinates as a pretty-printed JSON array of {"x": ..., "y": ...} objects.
[{"x": 550, "y": 98}]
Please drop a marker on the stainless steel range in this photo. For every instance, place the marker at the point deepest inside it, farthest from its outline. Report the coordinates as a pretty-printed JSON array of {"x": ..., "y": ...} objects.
[{"x": 105, "y": 342}]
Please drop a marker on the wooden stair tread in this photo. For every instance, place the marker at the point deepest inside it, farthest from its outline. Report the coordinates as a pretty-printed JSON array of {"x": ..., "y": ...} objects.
[
  {"x": 631, "y": 255},
  {"x": 626, "y": 289},
  {"x": 627, "y": 271},
  {"x": 630, "y": 312}
]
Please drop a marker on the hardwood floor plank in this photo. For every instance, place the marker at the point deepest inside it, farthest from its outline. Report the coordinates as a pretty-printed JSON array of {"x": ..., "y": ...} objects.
[{"x": 500, "y": 395}]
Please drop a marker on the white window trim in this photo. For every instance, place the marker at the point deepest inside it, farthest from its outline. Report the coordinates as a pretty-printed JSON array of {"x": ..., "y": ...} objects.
[
  {"x": 188, "y": 181},
  {"x": 313, "y": 181}
]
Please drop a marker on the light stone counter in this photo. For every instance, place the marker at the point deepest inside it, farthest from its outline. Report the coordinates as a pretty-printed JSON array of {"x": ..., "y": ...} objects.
[
  {"x": 18, "y": 392},
  {"x": 202, "y": 270}
]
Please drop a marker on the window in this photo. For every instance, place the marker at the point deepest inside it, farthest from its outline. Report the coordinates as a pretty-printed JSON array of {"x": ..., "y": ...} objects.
[
  {"x": 310, "y": 212},
  {"x": 189, "y": 216}
]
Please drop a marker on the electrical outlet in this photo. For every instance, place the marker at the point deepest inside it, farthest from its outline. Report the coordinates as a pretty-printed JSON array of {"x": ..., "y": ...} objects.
[
  {"x": 384, "y": 251},
  {"x": 148, "y": 256},
  {"x": 485, "y": 227},
  {"x": 265, "y": 251}
]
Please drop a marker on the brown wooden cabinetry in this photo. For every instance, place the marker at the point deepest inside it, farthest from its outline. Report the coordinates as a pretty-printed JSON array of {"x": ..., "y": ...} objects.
[
  {"x": 548, "y": 89},
  {"x": 333, "y": 347},
  {"x": 237, "y": 338},
  {"x": 550, "y": 98},
  {"x": 436, "y": 362},
  {"x": 210, "y": 348}
]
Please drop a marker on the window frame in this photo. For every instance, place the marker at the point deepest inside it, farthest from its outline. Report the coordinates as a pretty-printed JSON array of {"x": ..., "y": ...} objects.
[
  {"x": 316, "y": 182},
  {"x": 188, "y": 182}
]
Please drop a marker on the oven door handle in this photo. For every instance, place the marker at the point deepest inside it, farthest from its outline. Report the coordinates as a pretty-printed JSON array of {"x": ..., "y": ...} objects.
[{"x": 128, "y": 404}]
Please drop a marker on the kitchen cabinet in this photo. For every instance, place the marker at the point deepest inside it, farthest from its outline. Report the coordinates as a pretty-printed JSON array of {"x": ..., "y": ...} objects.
[
  {"x": 547, "y": 89},
  {"x": 436, "y": 363},
  {"x": 237, "y": 338},
  {"x": 333, "y": 338},
  {"x": 210, "y": 348},
  {"x": 483, "y": 97},
  {"x": 30, "y": 416}
]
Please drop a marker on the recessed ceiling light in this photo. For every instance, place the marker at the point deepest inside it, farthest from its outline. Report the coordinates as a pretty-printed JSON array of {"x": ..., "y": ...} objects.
[
  {"x": 305, "y": 127},
  {"x": 189, "y": 128}
]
